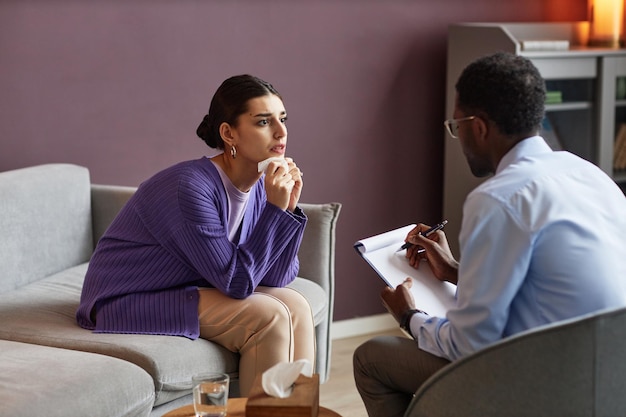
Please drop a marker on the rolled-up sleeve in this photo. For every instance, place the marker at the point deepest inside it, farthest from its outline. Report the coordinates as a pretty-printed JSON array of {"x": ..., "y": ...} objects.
[{"x": 490, "y": 275}]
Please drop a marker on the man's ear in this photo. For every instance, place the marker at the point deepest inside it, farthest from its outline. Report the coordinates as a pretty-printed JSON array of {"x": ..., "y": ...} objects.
[
  {"x": 227, "y": 133},
  {"x": 482, "y": 128}
]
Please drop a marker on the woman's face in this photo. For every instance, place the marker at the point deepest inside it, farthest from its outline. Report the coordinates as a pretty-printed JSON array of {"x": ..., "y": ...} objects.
[{"x": 261, "y": 132}]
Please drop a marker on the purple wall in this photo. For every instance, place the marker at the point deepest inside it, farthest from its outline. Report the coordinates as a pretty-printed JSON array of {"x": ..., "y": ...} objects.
[{"x": 120, "y": 86}]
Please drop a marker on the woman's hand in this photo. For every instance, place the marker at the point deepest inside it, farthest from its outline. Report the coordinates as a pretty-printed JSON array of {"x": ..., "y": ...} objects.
[
  {"x": 436, "y": 250},
  {"x": 296, "y": 174},
  {"x": 283, "y": 185}
]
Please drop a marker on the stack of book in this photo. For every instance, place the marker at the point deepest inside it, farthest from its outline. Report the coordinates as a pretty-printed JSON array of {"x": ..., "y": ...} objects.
[
  {"x": 619, "y": 151},
  {"x": 554, "y": 97},
  {"x": 545, "y": 45}
]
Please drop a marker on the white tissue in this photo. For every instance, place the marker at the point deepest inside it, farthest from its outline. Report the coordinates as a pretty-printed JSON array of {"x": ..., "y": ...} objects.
[
  {"x": 264, "y": 164},
  {"x": 279, "y": 379}
]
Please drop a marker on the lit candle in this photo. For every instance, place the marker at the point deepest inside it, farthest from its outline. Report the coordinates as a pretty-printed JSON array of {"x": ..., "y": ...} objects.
[{"x": 606, "y": 22}]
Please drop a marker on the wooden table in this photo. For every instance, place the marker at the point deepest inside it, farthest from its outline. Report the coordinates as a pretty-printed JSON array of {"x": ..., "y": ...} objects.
[{"x": 236, "y": 408}]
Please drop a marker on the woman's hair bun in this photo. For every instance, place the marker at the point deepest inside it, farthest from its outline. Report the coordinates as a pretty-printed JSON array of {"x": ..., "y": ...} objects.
[{"x": 205, "y": 132}]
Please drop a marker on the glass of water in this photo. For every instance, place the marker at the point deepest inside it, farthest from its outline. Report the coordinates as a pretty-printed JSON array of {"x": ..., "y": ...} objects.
[{"x": 210, "y": 394}]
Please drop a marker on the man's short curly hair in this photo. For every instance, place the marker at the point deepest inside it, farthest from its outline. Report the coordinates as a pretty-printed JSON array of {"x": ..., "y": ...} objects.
[{"x": 507, "y": 89}]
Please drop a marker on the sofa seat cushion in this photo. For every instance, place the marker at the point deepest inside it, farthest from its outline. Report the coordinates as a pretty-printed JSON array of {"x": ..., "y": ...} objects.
[
  {"x": 59, "y": 383},
  {"x": 43, "y": 313}
]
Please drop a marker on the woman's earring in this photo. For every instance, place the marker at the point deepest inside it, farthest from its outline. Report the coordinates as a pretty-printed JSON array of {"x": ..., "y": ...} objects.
[{"x": 233, "y": 152}]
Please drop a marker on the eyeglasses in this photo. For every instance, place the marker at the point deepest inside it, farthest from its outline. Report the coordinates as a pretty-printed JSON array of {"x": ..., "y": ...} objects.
[{"x": 452, "y": 125}]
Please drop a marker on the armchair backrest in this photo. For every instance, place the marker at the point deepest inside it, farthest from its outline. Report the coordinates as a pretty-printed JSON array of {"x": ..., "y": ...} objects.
[{"x": 571, "y": 368}]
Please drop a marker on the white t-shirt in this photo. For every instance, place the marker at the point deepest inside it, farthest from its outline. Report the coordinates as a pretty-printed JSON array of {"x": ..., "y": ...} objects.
[{"x": 237, "y": 203}]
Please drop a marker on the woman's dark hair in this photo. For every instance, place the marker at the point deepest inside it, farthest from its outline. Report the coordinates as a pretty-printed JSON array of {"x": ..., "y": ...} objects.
[
  {"x": 506, "y": 88},
  {"x": 228, "y": 103}
]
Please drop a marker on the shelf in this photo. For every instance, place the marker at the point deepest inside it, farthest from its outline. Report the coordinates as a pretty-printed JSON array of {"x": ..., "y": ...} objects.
[
  {"x": 574, "y": 105},
  {"x": 620, "y": 103}
]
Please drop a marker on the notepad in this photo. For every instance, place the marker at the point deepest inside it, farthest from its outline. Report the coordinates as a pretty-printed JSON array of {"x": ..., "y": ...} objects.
[{"x": 380, "y": 252}]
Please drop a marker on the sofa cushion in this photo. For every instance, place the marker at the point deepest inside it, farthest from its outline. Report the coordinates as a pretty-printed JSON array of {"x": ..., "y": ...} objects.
[
  {"x": 45, "y": 219},
  {"x": 44, "y": 313},
  {"x": 59, "y": 383}
]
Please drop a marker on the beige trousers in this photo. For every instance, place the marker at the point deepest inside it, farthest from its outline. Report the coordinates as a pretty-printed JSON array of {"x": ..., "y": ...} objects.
[{"x": 272, "y": 325}]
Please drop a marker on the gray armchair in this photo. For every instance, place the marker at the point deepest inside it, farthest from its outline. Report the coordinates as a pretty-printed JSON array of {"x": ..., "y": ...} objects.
[
  {"x": 571, "y": 368},
  {"x": 316, "y": 255}
]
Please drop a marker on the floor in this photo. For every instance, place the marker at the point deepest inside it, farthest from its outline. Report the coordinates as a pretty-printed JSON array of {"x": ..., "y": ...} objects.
[{"x": 339, "y": 392}]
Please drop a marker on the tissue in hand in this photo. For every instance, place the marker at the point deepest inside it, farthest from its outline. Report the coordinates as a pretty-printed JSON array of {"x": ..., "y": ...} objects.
[
  {"x": 279, "y": 379},
  {"x": 265, "y": 163}
]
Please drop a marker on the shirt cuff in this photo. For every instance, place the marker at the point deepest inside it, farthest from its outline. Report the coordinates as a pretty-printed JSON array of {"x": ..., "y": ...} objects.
[
  {"x": 299, "y": 213},
  {"x": 416, "y": 322}
]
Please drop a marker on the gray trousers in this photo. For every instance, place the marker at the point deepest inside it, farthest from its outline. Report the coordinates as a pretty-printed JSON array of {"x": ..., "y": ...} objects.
[{"x": 388, "y": 370}]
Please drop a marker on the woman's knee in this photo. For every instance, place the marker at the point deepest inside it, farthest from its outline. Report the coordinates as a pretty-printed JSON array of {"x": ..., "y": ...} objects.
[
  {"x": 295, "y": 302},
  {"x": 266, "y": 309}
]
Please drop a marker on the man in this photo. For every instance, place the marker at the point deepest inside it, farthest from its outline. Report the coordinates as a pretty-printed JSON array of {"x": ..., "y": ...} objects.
[{"x": 541, "y": 241}]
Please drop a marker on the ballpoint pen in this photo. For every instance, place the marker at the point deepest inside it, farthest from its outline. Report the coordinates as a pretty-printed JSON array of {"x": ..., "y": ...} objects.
[{"x": 427, "y": 233}]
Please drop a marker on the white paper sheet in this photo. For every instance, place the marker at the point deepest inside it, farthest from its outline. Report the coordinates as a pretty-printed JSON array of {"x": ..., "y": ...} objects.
[{"x": 431, "y": 295}]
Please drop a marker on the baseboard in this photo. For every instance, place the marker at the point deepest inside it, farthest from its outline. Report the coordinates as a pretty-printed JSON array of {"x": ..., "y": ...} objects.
[{"x": 362, "y": 325}]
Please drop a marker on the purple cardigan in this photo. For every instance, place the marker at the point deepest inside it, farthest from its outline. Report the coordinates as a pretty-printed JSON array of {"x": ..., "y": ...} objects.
[{"x": 169, "y": 239}]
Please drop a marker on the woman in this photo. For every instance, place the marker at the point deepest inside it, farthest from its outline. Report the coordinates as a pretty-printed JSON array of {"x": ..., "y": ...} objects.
[{"x": 206, "y": 247}]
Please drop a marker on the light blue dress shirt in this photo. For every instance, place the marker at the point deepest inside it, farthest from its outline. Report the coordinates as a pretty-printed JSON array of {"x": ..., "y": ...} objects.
[{"x": 541, "y": 241}]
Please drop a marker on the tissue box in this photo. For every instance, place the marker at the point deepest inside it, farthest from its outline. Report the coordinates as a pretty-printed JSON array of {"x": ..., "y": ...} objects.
[{"x": 303, "y": 401}]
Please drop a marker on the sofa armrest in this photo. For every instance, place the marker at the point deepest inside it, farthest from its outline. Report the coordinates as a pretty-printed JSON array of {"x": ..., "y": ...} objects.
[
  {"x": 106, "y": 202},
  {"x": 317, "y": 250},
  {"x": 317, "y": 264}
]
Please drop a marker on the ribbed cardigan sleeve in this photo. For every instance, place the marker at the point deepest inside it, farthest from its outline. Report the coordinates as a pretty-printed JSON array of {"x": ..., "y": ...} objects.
[
  {"x": 171, "y": 237},
  {"x": 266, "y": 252}
]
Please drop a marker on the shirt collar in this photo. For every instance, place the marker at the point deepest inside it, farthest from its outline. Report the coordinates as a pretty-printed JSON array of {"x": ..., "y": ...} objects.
[{"x": 534, "y": 145}]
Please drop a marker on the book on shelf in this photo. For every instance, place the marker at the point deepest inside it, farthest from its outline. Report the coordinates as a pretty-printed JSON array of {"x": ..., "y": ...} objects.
[
  {"x": 545, "y": 45},
  {"x": 619, "y": 149},
  {"x": 554, "y": 97},
  {"x": 381, "y": 253},
  {"x": 620, "y": 90},
  {"x": 549, "y": 134}
]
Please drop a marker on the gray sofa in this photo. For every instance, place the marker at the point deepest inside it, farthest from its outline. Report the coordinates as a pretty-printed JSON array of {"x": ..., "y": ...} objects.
[{"x": 51, "y": 216}]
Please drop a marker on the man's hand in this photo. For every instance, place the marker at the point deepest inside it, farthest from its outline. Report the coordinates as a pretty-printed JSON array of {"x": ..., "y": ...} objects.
[
  {"x": 400, "y": 300},
  {"x": 436, "y": 250}
]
